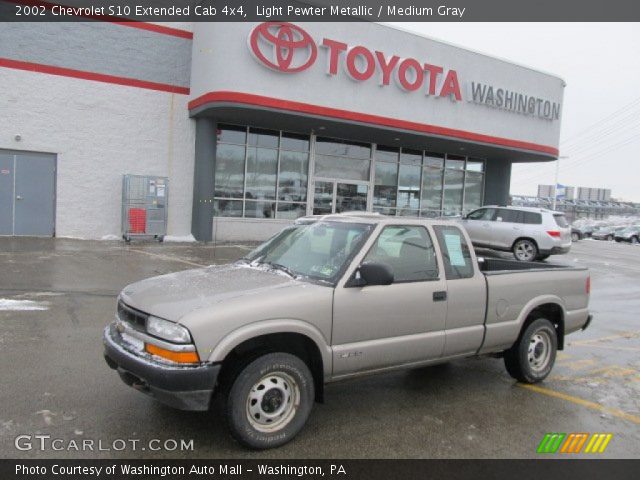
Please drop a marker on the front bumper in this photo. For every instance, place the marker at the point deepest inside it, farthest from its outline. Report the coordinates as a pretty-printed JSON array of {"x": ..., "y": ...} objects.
[{"x": 185, "y": 388}]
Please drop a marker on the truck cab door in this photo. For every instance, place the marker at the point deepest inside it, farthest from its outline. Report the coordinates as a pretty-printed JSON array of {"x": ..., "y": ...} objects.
[
  {"x": 380, "y": 326},
  {"x": 466, "y": 292}
]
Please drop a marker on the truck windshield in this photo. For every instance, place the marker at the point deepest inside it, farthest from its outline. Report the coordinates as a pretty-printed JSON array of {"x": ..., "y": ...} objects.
[{"x": 319, "y": 251}]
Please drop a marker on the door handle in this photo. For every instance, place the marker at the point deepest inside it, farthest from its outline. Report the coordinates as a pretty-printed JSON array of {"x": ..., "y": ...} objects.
[
  {"x": 18, "y": 197},
  {"x": 440, "y": 296}
]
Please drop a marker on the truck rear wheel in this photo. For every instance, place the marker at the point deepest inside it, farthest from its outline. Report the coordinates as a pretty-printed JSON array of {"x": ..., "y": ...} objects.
[
  {"x": 270, "y": 400},
  {"x": 532, "y": 357}
]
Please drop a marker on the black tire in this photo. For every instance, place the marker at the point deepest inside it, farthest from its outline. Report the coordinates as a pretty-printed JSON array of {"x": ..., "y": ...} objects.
[
  {"x": 531, "y": 358},
  {"x": 575, "y": 237},
  {"x": 635, "y": 240},
  {"x": 610, "y": 238},
  {"x": 287, "y": 387},
  {"x": 525, "y": 250},
  {"x": 542, "y": 257}
]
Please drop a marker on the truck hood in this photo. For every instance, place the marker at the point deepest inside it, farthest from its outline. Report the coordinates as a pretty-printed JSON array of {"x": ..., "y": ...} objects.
[{"x": 177, "y": 294}]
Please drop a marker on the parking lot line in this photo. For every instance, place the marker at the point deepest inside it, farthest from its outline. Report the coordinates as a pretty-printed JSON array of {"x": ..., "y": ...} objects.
[
  {"x": 167, "y": 257},
  {"x": 610, "y": 347},
  {"x": 582, "y": 402}
]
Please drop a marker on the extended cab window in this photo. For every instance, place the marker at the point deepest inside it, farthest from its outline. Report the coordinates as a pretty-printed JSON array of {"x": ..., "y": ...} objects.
[
  {"x": 455, "y": 252},
  {"x": 408, "y": 250}
]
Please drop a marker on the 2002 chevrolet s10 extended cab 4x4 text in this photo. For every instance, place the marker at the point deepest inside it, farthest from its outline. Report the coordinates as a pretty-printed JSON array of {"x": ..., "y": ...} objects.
[{"x": 330, "y": 298}]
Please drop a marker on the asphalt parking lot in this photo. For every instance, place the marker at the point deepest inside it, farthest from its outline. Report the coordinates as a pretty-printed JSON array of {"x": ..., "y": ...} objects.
[{"x": 55, "y": 381}]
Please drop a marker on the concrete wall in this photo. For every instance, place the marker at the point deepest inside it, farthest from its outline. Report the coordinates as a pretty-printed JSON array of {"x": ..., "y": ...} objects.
[{"x": 99, "y": 130}]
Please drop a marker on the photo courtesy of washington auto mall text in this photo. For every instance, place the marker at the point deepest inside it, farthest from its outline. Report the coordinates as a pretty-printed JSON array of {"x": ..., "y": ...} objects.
[{"x": 340, "y": 239}]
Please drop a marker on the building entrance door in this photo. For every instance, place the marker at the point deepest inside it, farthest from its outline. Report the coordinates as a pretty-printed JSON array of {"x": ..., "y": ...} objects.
[
  {"x": 338, "y": 196},
  {"x": 27, "y": 193}
]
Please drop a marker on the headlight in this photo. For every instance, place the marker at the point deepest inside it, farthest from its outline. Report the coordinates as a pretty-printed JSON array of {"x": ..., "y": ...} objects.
[{"x": 168, "y": 330}]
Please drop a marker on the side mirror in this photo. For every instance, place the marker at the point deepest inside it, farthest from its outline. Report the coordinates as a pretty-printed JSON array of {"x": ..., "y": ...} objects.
[{"x": 371, "y": 273}]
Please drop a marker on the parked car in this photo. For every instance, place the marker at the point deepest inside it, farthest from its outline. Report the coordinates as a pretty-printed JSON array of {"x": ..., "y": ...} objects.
[
  {"x": 330, "y": 299},
  {"x": 606, "y": 233},
  {"x": 580, "y": 233},
  {"x": 629, "y": 234},
  {"x": 530, "y": 233}
]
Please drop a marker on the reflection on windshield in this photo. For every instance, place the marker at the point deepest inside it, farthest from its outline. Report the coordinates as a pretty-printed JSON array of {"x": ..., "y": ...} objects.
[{"x": 319, "y": 251}]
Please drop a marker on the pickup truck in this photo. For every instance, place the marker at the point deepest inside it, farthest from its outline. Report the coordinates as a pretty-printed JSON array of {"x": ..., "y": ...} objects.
[{"x": 332, "y": 298}]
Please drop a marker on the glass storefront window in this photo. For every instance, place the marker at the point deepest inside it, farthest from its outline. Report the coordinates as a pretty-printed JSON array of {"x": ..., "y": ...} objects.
[
  {"x": 232, "y": 134},
  {"x": 291, "y": 211},
  {"x": 387, "y": 154},
  {"x": 473, "y": 191},
  {"x": 294, "y": 168},
  {"x": 411, "y": 157},
  {"x": 433, "y": 159},
  {"x": 258, "y": 153},
  {"x": 453, "y": 182},
  {"x": 229, "y": 171},
  {"x": 386, "y": 185},
  {"x": 227, "y": 208},
  {"x": 342, "y": 167},
  {"x": 431, "y": 188},
  {"x": 455, "y": 162},
  {"x": 263, "y": 138},
  {"x": 343, "y": 148},
  {"x": 408, "y": 189},
  {"x": 259, "y": 209},
  {"x": 264, "y": 173},
  {"x": 262, "y": 164},
  {"x": 295, "y": 142},
  {"x": 475, "y": 165}
]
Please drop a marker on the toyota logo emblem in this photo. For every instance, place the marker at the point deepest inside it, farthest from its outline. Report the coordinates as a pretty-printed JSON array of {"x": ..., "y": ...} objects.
[{"x": 283, "y": 47}]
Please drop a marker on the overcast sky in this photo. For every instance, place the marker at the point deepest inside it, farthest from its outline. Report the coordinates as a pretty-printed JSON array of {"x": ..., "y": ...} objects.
[{"x": 601, "y": 64}]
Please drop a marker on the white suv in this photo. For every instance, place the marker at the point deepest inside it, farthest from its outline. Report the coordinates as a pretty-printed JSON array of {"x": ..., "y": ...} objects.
[{"x": 530, "y": 233}]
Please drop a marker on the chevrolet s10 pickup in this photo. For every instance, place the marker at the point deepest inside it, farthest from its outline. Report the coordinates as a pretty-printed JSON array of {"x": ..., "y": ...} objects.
[{"x": 331, "y": 298}]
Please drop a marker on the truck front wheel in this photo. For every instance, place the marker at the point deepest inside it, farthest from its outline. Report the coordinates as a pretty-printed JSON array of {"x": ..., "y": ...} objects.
[
  {"x": 532, "y": 357},
  {"x": 270, "y": 400}
]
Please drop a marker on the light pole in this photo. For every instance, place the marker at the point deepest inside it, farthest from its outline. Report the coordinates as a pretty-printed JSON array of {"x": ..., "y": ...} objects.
[{"x": 555, "y": 183}]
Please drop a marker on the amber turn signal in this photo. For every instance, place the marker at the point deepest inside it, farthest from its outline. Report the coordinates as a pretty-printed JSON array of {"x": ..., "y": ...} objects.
[{"x": 178, "y": 357}]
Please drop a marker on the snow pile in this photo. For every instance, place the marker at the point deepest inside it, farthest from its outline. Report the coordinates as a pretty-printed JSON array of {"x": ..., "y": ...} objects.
[
  {"x": 110, "y": 237},
  {"x": 14, "y": 305},
  {"x": 179, "y": 238}
]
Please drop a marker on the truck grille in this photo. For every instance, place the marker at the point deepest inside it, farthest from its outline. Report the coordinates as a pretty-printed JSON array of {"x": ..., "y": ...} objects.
[{"x": 135, "y": 318}]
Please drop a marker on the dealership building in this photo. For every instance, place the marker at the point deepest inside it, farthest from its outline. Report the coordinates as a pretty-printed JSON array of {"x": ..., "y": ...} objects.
[{"x": 256, "y": 124}]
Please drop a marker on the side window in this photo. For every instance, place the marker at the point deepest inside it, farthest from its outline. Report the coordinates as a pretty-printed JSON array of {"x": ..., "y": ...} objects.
[
  {"x": 408, "y": 250},
  {"x": 532, "y": 218},
  {"x": 482, "y": 214},
  {"x": 510, "y": 216},
  {"x": 455, "y": 252}
]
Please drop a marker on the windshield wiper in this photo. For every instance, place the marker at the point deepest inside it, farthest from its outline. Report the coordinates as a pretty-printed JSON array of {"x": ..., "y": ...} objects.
[{"x": 283, "y": 268}]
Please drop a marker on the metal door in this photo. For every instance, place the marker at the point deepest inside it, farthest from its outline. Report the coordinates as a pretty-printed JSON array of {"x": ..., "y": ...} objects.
[
  {"x": 27, "y": 193},
  {"x": 6, "y": 193}
]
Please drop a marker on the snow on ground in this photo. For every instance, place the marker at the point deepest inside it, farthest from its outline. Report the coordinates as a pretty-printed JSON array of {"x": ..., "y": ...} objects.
[
  {"x": 13, "y": 305},
  {"x": 179, "y": 238}
]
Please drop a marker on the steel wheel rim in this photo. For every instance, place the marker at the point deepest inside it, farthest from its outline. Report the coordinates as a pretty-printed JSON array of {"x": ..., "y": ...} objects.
[
  {"x": 273, "y": 402},
  {"x": 539, "y": 351},
  {"x": 634, "y": 240},
  {"x": 525, "y": 250}
]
